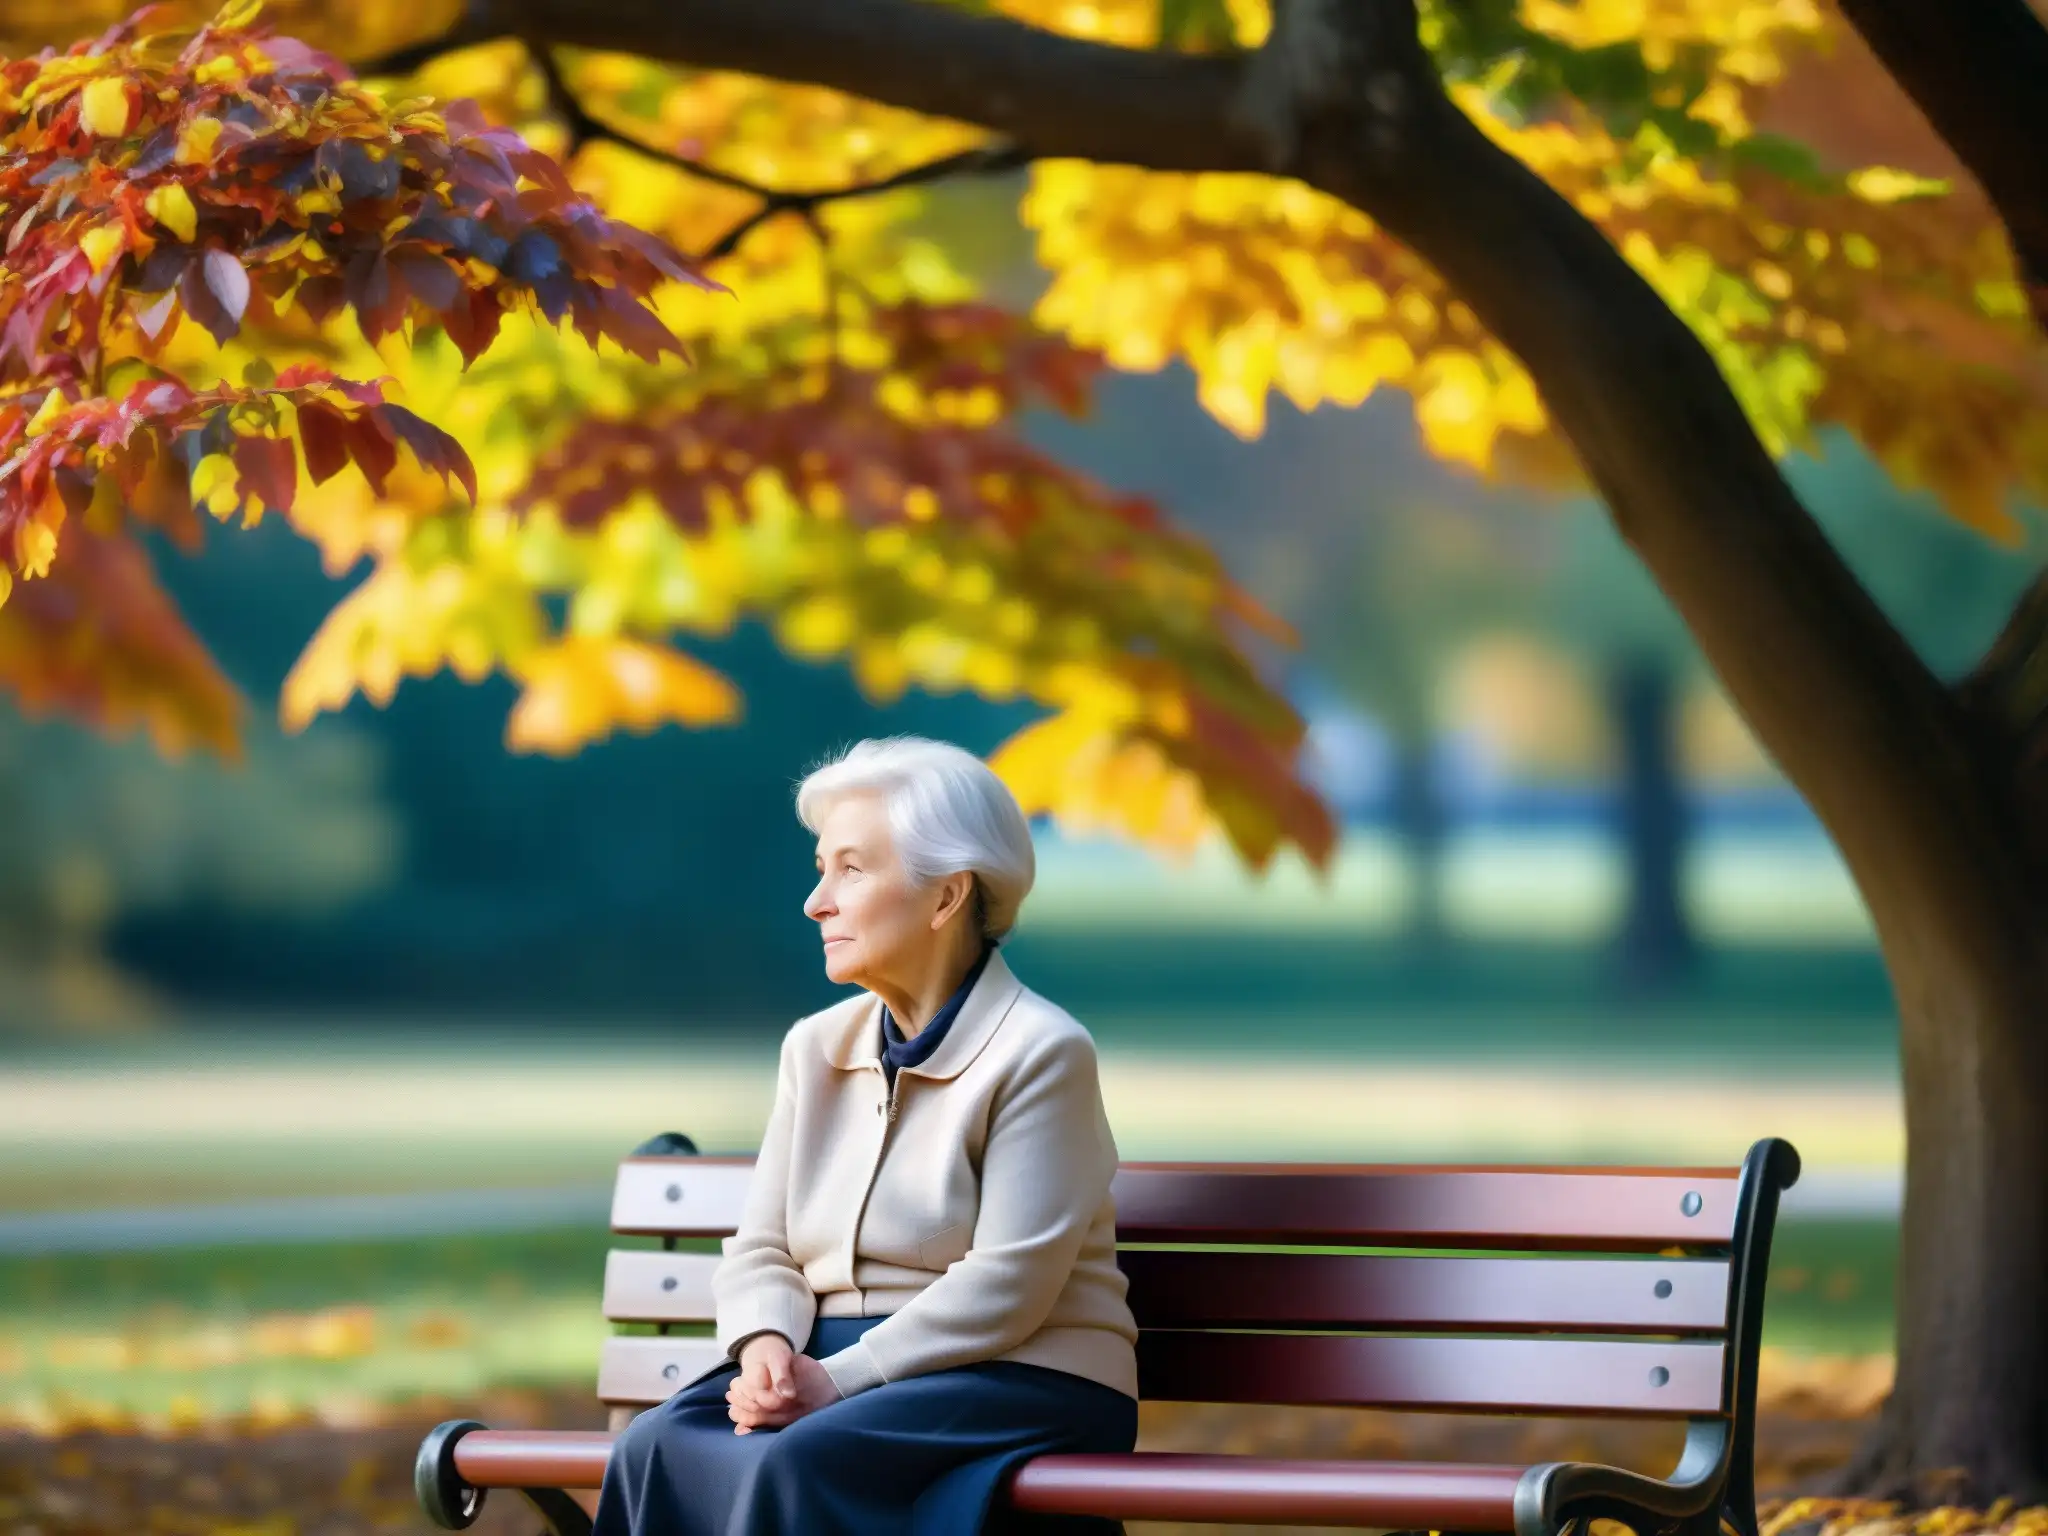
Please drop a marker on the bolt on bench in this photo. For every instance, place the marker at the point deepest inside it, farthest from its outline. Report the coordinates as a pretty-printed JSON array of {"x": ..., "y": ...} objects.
[{"x": 1620, "y": 1292}]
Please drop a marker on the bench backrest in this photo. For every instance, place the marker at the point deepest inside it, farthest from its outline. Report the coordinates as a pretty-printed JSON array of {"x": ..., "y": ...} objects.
[{"x": 1633, "y": 1291}]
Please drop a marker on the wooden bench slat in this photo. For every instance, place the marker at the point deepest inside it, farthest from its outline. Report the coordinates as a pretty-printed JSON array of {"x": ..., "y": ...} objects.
[
  {"x": 1589, "y": 1211},
  {"x": 641, "y": 1369},
  {"x": 1562, "y": 1376},
  {"x": 1160, "y": 1485},
  {"x": 680, "y": 1196},
  {"x": 1473, "y": 1375},
  {"x": 641, "y": 1286},
  {"x": 1619, "y": 1210},
  {"x": 1351, "y": 1291},
  {"x": 1246, "y": 1290},
  {"x": 1151, "y": 1485}
]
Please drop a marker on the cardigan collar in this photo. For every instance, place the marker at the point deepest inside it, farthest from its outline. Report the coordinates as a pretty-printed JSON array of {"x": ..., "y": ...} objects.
[{"x": 856, "y": 1042}]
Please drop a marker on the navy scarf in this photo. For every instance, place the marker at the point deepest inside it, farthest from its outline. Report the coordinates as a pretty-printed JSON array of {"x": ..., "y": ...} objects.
[{"x": 898, "y": 1052}]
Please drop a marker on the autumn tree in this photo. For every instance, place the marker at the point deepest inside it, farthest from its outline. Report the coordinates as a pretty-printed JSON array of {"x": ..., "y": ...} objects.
[{"x": 1578, "y": 235}]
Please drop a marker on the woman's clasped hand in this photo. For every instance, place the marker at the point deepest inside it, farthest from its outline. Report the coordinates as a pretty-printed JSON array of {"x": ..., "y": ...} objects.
[{"x": 776, "y": 1386}]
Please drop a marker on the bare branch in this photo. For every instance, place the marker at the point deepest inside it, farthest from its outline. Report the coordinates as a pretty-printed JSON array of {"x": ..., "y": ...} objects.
[
  {"x": 584, "y": 128},
  {"x": 985, "y": 160}
]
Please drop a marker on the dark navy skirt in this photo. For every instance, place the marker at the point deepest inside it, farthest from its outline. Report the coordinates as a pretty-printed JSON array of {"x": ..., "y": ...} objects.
[{"x": 921, "y": 1457}]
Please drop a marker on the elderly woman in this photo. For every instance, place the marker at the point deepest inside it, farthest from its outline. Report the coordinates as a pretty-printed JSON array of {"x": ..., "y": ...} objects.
[{"x": 923, "y": 1291}]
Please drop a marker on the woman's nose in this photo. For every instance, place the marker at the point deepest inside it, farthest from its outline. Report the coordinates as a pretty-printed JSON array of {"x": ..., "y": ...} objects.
[{"x": 816, "y": 905}]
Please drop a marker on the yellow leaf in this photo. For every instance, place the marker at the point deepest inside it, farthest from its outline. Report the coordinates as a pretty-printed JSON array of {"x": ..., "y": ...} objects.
[
  {"x": 471, "y": 654},
  {"x": 550, "y": 717},
  {"x": 35, "y": 546},
  {"x": 1883, "y": 184},
  {"x": 658, "y": 684},
  {"x": 581, "y": 689},
  {"x": 1454, "y": 409},
  {"x": 880, "y": 669},
  {"x": 1083, "y": 769},
  {"x": 195, "y": 143},
  {"x": 215, "y": 484},
  {"x": 237, "y": 14},
  {"x": 101, "y": 244},
  {"x": 6, "y": 584},
  {"x": 171, "y": 206},
  {"x": 820, "y": 626},
  {"x": 52, "y": 407},
  {"x": 103, "y": 108}
]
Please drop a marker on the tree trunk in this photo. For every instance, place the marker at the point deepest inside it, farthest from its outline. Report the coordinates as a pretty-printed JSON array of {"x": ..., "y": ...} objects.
[
  {"x": 1656, "y": 949},
  {"x": 1419, "y": 821},
  {"x": 1967, "y": 1419}
]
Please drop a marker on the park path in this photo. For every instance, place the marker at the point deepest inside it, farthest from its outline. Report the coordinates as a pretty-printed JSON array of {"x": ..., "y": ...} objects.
[{"x": 391, "y": 1145}]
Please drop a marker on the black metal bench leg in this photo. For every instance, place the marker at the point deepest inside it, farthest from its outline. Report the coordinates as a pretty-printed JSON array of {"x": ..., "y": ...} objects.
[
  {"x": 1738, "y": 1501},
  {"x": 564, "y": 1516}
]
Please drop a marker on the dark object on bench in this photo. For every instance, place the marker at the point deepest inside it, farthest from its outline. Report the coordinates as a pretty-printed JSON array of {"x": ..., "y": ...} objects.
[{"x": 1647, "y": 1300}]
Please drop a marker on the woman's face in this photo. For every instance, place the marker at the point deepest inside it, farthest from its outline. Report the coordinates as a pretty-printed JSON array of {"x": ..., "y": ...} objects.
[{"x": 876, "y": 925}]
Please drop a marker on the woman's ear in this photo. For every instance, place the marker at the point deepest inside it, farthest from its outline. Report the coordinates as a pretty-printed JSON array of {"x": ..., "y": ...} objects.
[{"x": 955, "y": 891}]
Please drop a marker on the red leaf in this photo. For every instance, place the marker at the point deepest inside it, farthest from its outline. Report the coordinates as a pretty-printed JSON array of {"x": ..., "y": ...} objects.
[
  {"x": 269, "y": 467},
  {"x": 323, "y": 433},
  {"x": 435, "y": 449},
  {"x": 432, "y": 278},
  {"x": 465, "y": 119},
  {"x": 100, "y": 639},
  {"x": 321, "y": 296},
  {"x": 473, "y": 326},
  {"x": 633, "y": 327},
  {"x": 375, "y": 451},
  {"x": 293, "y": 57},
  {"x": 298, "y": 375}
]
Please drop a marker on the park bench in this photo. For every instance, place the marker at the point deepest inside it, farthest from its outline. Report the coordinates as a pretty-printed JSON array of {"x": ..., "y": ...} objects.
[{"x": 1629, "y": 1292}]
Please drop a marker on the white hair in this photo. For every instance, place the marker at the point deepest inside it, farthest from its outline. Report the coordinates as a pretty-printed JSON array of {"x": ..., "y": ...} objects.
[{"x": 948, "y": 812}]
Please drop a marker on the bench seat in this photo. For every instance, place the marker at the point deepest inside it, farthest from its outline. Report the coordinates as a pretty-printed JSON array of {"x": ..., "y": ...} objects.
[{"x": 1622, "y": 1292}]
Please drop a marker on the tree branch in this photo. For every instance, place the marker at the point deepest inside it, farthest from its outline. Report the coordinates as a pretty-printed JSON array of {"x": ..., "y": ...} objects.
[
  {"x": 2009, "y": 687},
  {"x": 1060, "y": 95},
  {"x": 583, "y": 128},
  {"x": 2006, "y": 698},
  {"x": 1978, "y": 69},
  {"x": 983, "y": 160}
]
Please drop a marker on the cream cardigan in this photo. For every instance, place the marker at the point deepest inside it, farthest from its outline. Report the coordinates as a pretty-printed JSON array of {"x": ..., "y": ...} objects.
[{"x": 974, "y": 1210}]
